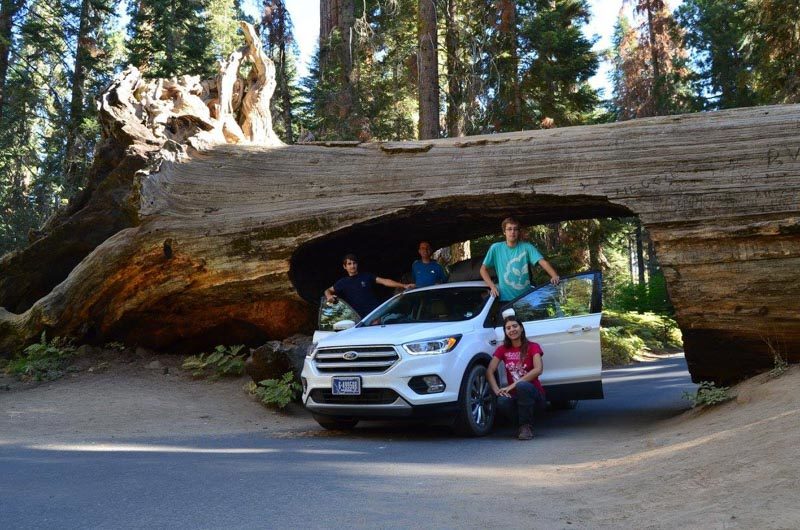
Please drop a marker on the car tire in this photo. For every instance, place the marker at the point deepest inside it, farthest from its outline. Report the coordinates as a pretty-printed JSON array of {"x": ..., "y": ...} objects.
[
  {"x": 564, "y": 404},
  {"x": 335, "y": 423},
  {"x": 476, "y": 404}
]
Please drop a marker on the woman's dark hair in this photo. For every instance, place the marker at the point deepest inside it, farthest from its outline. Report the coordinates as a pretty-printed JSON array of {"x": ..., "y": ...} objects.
[{"x": 507, "y": 342}]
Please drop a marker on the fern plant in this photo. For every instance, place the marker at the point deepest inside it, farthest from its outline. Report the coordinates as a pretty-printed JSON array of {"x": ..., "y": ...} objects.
[
  {"x": 276, "y": 393},
  {"x": 709, "y": 394},
  {"x": 224, "y": 361},
  {"x": 44, "y": 360}
]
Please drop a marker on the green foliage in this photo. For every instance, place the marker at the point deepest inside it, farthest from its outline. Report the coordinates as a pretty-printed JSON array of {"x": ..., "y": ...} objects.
[
  {"x": 557, "y": 62},
  {"x": 651, "y": 76},
  {"x": 276, "y": 393},
  {"x": 659, "y": 333},
  {"x": 645, "y": 297},
  {"x": 780, "y": 361},
  {"x": 169, "y": 37},
  {"x": 625, "y": 335},
  {"x": 715, "y": 31},
  {"x": 222, "y": 362},
  {"x": 708, "y": 394},
  {"x": 42, "y": 361},
  {"x": 773, "y": 49},
  {"x": 618, "y": 347}
]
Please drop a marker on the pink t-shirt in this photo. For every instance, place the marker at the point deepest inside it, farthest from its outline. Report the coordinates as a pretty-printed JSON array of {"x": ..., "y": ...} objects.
[{"x": 516, "y": 368}]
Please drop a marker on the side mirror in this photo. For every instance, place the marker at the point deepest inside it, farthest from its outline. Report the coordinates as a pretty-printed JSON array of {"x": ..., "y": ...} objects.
[{"x": 343, "y": 325}]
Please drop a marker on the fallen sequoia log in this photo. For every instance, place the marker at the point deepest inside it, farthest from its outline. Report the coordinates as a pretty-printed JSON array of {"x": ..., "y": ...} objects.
[{"x": 196, "y": 230}]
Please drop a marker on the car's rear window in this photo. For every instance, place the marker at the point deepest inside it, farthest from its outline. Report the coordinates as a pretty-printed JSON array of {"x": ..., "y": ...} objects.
[{"x": 452, "y": 304}]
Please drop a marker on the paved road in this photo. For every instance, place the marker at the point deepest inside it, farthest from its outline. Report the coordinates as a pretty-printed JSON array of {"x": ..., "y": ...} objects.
[{"x": 380, "y": 476}]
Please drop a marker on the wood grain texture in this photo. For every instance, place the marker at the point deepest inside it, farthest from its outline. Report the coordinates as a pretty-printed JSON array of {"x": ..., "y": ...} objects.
[{"x": 254, "y": 233}]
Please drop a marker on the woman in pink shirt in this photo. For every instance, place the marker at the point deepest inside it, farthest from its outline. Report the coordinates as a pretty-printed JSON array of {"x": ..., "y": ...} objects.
[{"x": 523, "y": 363}]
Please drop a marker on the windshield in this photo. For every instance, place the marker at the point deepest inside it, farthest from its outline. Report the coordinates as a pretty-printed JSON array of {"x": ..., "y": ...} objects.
[{"x": 435, "y": 305}]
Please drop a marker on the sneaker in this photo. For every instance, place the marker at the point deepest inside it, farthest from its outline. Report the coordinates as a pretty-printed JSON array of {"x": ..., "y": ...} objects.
[{"x": 525, "y": 432}]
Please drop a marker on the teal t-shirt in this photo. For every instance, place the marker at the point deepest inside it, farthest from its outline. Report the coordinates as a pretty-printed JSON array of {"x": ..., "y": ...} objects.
[{"x": 511, "y": 266}]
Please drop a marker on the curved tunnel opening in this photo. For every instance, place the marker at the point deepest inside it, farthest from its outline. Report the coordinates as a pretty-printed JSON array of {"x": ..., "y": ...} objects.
[{"x": 386, "y": 246}]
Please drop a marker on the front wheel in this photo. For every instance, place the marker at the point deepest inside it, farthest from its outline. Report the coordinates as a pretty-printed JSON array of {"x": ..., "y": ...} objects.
[
  {"x": 335, "y": 423},
  {"x": 476, "y": 404}
]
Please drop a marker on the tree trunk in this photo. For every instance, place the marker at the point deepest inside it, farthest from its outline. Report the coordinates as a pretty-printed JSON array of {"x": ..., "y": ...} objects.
[
  {"x": 654, "y": 59},
  {"x": 427, "y": 56},
  {"x": 455, "y": 74},
  {"x": 74, "y": 151},
  {"x": 283, "y": 77},
  {"x": 639, "y": 253},
  {"x": 8, "y": 10},
  {"x": 508, "y": 66},
  {"x": 188, "y": 241}
]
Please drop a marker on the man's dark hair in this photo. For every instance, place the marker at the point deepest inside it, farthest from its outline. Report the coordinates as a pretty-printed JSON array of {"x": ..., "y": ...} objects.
[
  {"x": 510, "y": 221},
  {"x": 351, "y": 257}
]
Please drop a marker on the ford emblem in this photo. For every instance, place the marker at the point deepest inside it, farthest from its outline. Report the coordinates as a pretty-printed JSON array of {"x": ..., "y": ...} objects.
[{"x": 350, "y": 355}]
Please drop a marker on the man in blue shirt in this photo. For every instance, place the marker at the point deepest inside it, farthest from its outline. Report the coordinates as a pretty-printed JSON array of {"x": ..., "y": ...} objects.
[
  {"x": 425, "y": 270},
  {"x": 510, "y": 260},
  {"x": 357, "y": 288}
]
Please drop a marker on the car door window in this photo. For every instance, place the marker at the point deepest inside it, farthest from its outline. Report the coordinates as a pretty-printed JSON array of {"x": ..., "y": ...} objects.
[
  {"x": 331, "y": 313},
  {"x": 573, "y": 296}
]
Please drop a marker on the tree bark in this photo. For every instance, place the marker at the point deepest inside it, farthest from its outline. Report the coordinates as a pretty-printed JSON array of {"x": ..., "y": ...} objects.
[
  {"x": 455, "y": 74},
  {"x": 74, "y": 152},
  {"x": 640, "y": 265},
  {"x": 508, "y": 66},
  {"x": 283, "y": 76},
  {"x": 427, "y": 55},
  {"x": 8, "y": 10}
]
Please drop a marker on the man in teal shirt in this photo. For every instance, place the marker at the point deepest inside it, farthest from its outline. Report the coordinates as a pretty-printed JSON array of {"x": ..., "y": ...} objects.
[{"x": 510, "y": 260}]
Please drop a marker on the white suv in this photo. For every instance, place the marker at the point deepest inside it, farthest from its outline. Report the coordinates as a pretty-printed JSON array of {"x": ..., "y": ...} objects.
[{"x": 423, "y": 353}]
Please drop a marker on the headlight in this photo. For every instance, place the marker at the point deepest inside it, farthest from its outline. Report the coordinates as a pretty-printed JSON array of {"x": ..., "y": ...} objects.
[{"x": 432, "y": 346}]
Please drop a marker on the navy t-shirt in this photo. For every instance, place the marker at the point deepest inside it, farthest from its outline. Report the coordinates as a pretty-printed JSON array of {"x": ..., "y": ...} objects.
[{"x": 358, "y": 292}]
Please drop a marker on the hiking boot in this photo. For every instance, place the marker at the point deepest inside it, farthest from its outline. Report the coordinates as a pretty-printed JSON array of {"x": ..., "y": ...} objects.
[{"x": 525, "y": 432}]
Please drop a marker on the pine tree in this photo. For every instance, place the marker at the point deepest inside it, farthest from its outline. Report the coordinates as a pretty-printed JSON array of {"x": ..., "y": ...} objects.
[
  {"x": 277, "y": 32},
  {"x": 9, "y": 9},
  {"x": 715, "y": 30},
  {"x": 223, "y": 18},
  {"x": 89, "y": 66},
  {"x": 557, "y": 64},
  {"x": 428, "y": 60},
  {"x": 456, "y": 71},
  {"x": 772, "y": 41},
  {"x": 170, "y": 37},
  {"x": 652, "y": 76}
]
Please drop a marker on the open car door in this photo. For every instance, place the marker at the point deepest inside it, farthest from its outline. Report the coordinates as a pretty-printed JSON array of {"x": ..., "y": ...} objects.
[
  {"x": 565, "y": 320},
  {"x": 330, "y": 314}
]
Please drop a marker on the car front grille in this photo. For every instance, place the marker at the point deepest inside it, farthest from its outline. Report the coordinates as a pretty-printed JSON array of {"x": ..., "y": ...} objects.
[
  {"x": 359, "y": 359},
  {"x": 369, "y": 396}
]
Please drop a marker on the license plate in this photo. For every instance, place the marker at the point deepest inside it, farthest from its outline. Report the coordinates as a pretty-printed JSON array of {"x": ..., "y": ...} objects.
[{"x": 346, "y": 386}]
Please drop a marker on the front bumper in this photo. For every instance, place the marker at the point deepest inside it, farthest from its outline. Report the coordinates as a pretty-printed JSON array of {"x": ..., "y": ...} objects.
[{"x": 404, "y": 401}]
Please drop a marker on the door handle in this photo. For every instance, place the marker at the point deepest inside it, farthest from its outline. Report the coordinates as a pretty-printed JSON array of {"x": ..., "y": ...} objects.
[
  {"x": 576, "y": 329},
  {"x": 493, "y": 342}
]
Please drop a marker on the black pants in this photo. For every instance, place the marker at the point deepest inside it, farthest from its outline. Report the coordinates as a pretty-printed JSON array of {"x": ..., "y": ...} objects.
[{"x": 523, "y": 405}]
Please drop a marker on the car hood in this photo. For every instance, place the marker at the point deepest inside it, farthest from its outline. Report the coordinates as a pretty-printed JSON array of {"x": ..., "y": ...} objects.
[{"x": 395, "y": 333}]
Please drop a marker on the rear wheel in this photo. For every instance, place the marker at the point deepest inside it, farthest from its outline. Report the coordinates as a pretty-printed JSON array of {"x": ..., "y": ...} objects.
[
  {"x": 476, "y": 404},
  {"x": 335, "y": 423}
]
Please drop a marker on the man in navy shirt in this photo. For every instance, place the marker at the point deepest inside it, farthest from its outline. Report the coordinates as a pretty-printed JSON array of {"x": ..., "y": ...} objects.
[
  {"x": 425, "y": 270},
  {"x": 357, "y": 288}
]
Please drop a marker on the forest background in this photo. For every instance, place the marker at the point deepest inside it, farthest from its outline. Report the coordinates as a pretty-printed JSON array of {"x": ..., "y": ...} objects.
[{"x": 394, "y": 70}]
